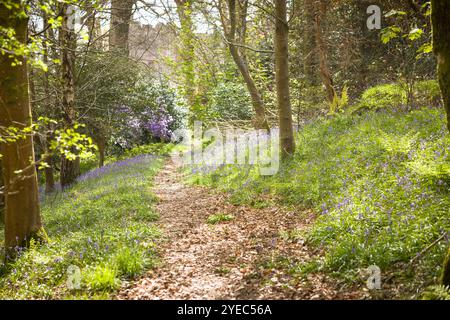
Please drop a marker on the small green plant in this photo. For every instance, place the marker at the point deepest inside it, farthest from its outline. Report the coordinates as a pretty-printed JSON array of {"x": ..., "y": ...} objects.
[
  {"x": 218, "y": 218},
  {"x": 129, "y": 262},
  {"x": 102, "y": 278},
  {"x": 339, "y": 103},
  {"x": 223, "y": 270},
  {"x": 436, "y": 293}
]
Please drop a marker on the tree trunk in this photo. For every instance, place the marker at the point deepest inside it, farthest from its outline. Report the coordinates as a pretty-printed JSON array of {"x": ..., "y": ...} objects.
[
  {"x": 287, "y": 142},
  {"x": 2, "y": 199},
  {"x": 121, "y": 14},
  {"x": 327, "y": 79},
  {"x": 446, "y": 271},
  {"x": 70, "y": 170},
  {"x": 187, "y": 52},
  {"x": 49, "y": 171},
  {"x": 94, "y": 26},
  {"x": 260, "y": 121},
  {"x": 310, "y": 62},
  {"x": 441, "y": 43},
  {"x": 101, "y": 144},
  {"x": 22, "y": 217}
]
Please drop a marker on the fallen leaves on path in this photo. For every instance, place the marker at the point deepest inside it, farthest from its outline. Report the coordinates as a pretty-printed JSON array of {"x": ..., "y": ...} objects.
[{"x": 239, "y": 259}]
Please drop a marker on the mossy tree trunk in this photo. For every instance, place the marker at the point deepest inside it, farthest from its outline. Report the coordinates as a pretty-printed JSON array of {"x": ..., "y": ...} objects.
[
  {"x": 287, "y": 142},
  {"x": 441, "y": 42},
  {"x": 22, "y": 216},
  {"x": 70, "y": 170},
  {"x": 187, "y": 55}
]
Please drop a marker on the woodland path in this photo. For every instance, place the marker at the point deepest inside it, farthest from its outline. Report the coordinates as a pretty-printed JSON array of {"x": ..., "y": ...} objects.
[{"x": 239, "y": 259}]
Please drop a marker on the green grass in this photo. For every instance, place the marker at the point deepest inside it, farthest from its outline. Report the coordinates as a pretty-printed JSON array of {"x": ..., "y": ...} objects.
[
  {"x": 218, "y": 218},
  {"x": 378, "y": 182},
  {"x": 102, "y": 225}
]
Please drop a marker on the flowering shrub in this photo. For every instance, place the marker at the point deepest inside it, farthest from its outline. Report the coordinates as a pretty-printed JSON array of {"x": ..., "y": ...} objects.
[{"x": 151, "y": 115}]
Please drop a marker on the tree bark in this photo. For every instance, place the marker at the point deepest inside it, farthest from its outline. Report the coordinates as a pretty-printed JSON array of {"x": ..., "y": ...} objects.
[
  {"x": 287, "y": 142},
  {"x": 441, "y": 42},
  {"x": 327, "y": 79},
  {"x": 22, "y": 216},
  {"x": 48, "y": 171},
  {"x": 310, "y": 63},
  {"x": 2, "y": 199},
  {"x": 260, "y": 121},
  {"x": 70, "y": 170},
  {"x": 187, "y": 52},
  {"x": 121, "y": 14},
  {"x": 101, "y": 144},
  {"x": 446, "y": 271}
]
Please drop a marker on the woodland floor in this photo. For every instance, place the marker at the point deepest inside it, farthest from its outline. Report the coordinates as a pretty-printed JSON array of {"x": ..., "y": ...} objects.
[{"x": 239, "y": 259}]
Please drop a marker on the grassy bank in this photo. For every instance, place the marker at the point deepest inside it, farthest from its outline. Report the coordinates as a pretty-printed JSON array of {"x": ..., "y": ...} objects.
[
  {"x": 102, "y": 225},
  {"x": 378, "y": 183}
]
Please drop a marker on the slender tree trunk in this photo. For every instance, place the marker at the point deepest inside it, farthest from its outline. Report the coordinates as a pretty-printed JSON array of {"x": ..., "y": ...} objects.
[
  {"x": 282, "y": 79},
  {"x": 48, "y": 171},
  {"x": 121, "y": 14},
  {"x": 101, "y": 144},
  {"x": 327, "y": 79},
  {"x": 441, "y": 41},
  {"x": 22, "y": 217},
  {"x": 93, "y": 25},
  {"x": 70, "y": 170},
  {"x": 310, "y": 63},
  {"x": 187, "y": 52},
  {"x": 260, "y": 121}
]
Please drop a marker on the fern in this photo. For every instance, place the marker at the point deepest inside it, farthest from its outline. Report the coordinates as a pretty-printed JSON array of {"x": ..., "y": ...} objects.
[
  {"x": 439, "y": 292},
  {"x": 339, "y": 103}
]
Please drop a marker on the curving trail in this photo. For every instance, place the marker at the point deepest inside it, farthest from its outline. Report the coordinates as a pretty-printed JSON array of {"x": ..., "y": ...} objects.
[{"x": 246, "y": 258}]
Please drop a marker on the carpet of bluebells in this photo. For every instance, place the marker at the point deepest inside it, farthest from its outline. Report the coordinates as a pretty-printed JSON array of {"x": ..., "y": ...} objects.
[
  {"x": 378, "y": 184},
  {"x": 103, "y": 225}
]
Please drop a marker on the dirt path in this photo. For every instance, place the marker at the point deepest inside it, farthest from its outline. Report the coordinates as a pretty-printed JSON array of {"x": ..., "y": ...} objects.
[{"x": 246, "y": 258}]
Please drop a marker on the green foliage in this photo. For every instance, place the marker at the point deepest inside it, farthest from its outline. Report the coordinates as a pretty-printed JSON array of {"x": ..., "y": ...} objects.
[
  {"x": 130, "y": 262},
  {"x": 382, "y": 97},
  {"x": 389, "y": 33},
  {"x": 427, "y": 92},
  {"x": 231, "y": 101},
  {"x": 103, "y": 225},
  {"x": 394, "y": 96},
  {"x": 157, "y": 149},
  {"x": 102, "y": 278},
  {"x": 378, "y": 183},
  {"x": 436, "y": 293},
  {"x": 220, "y": 217},
  {"x": 339, "y": 103}
]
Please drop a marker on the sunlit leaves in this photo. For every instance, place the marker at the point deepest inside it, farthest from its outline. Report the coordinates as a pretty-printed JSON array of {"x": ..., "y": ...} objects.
[
  {"x": 390, "y": 33},
  {"x": 415, "y": 34},
  {"x": 72, "y": 144}
]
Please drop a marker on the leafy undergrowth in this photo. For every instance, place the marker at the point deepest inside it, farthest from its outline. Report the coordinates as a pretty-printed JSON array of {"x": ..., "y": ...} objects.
[
  {"x": 102, "y": 225},
  {"x": 379, "y": 184}
]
